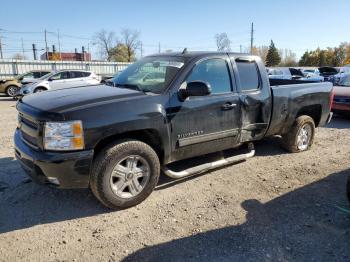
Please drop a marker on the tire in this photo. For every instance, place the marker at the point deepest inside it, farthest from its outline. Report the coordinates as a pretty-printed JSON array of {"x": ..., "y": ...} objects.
[
  {"x": 11, "y": 91},
  {"x": 39, "y": 89},
  {"x": 112, "y": 171},
  {"x": 303, "y": 130}
]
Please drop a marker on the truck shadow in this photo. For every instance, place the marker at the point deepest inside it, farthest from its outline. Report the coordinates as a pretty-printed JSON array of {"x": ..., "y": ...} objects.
[
  {"x": 302, "y": 225},
  {"x": 25, "y": 204}
]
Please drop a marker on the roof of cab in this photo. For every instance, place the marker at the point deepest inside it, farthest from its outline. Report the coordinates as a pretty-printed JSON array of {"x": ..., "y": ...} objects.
[{"x": 193, "y": 54}]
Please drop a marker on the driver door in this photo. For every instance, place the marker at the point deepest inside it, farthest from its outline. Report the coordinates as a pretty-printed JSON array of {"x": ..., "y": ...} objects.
[{"x": 201, "y": 125}]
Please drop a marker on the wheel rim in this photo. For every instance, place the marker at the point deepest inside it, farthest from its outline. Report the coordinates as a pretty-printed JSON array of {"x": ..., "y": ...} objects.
[
  {"x": 304, "y": 137},
  {"x": 130, "y": 176},
  {"x": 11, "y": 91},
  {"x": 39, "y": 90}
]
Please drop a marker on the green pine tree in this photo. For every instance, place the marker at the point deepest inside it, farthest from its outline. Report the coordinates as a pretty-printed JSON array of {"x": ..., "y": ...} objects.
[{"x": 273, "y": 58}]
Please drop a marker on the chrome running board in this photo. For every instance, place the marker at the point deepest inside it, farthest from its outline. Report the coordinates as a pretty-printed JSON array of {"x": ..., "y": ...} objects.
[{"x": 208, "y": 166}]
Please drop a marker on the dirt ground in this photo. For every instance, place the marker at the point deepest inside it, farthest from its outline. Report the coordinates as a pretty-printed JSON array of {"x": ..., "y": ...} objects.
[{"x": 273, "y": 207}]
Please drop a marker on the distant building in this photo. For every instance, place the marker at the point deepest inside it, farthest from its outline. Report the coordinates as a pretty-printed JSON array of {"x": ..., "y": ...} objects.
[{"x": 54, "y": 56}]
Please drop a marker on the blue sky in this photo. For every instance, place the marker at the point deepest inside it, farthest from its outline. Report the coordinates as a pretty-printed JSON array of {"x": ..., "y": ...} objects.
[{"x": 296, "y": 25}]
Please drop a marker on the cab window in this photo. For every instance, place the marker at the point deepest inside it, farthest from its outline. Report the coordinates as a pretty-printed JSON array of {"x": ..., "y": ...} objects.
[
  {"x": 214, "y": 71},
  {"x": 248, "y": 75}
]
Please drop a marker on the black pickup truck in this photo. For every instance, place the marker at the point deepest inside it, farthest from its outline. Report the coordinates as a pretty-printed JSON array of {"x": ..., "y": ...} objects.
[{"x": 161, "y": 109}]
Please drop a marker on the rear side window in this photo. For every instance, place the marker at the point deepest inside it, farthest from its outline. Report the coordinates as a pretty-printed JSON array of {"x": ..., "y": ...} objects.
[
  {"x": 215, "y": 72},
  {"x": 248, "y": 75},
  {"x": 76, "y": 74}
]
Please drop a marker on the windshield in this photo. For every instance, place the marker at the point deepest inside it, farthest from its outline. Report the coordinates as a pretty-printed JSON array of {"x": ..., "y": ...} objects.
[
  {"x": 48, "y": 75},
  {"x": 345, "y": 81},
  {"x": 149, "y": 74}
]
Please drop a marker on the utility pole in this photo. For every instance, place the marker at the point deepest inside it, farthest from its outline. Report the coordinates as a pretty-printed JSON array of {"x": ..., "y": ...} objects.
[
  {"x": 1, "y": 54},
  {"x": 240, "y": 48},
  {"x": 251, "y": 38},
  {"x": 59, "y": 43},
  {"x": 22, "y": 48},
  {"x": 141, "y": 50},
  {"x": 83, "y": 53},
  {"x": 159, "y": 47},
  {"x": 46, "y": 48},
  {"x": 34, "y": 51}
]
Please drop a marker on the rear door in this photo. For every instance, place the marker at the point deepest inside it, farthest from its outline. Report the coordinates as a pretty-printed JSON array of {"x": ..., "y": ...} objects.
[
  {"x": 201, "y": 125},
  {"x": 76, "y": 79},
  {"x": 255, "y": 97}
]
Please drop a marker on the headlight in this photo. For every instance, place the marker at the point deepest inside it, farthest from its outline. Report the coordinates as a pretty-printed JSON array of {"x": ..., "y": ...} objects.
[{"x": 63, "y": 136}]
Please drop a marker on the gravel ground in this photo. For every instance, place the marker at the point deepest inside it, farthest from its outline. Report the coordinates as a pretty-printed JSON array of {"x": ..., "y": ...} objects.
[{"x": 273, "y": 207}]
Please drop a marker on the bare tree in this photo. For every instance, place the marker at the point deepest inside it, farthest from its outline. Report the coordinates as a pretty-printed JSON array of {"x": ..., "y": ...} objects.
[
  {"x": 288, "y": 57},
  {"x": 223, "y": 42},
  {"x": 131, "y": 39},
  {"x": 19, "y": 56},
  {"x": 106, "y": 41}
]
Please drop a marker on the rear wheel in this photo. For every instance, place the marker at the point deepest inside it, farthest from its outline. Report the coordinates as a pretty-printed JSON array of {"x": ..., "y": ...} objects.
[
  {"x": 124, "y": 174},
  {"x": 301, "y": 136},
  {"x": 39, "y": 89},
  {"x": 12, "y": 91}
]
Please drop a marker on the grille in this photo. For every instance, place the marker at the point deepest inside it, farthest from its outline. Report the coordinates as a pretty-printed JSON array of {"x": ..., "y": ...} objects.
[{"x": 29, "y": 130}]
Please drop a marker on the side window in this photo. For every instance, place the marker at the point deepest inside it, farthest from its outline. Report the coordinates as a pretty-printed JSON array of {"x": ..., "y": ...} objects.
[
  {"x": 215, "y": 72},
  {"x": 76, "y": 74},
  {"x": 86, "y": 74},
  {"x": 60, "y": 76},
  {"x": 65, "y": 75},
  {"x": 248, "y": 75}
]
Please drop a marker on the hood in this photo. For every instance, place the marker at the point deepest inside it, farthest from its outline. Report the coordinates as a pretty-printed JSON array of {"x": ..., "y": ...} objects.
[
  {"x": 64, "y": 99},
  {"x": 341, "y": 91},
  {"x": 4, "y": 80}
]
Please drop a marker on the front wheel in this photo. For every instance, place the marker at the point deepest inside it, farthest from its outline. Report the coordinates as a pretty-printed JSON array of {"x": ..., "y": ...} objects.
[
  {"x": 301, "y": 135},
  {"x": 12, "y": 91},
  {"x": 124, "y": 174}
]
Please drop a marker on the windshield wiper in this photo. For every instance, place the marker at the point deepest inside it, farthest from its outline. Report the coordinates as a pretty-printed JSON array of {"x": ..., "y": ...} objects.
[{"x": 129, "y": 86}]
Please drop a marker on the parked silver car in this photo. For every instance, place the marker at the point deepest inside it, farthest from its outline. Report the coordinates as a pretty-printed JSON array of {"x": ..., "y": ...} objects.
[
  {"x": 62, "y": 79},
  {"x": 290, "y": 73}
]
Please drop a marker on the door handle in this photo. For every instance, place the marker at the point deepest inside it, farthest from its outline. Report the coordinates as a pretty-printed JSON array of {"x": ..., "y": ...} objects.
[{"x": 228, "y": 106}]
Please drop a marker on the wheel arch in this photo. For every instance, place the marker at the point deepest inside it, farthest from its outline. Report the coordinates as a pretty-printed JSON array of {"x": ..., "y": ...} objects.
[
  {"x": 40, "y": 87},
  {"x": 149, "y": 136},
  {"x": 313, "y": 111}
]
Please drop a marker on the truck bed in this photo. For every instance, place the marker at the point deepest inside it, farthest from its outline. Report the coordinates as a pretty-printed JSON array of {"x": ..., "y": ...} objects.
[{"x": 292, "y": 97}]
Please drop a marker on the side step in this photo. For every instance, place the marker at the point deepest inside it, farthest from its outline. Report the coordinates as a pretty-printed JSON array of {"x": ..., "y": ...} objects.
[{"x": 208, "y": 166}]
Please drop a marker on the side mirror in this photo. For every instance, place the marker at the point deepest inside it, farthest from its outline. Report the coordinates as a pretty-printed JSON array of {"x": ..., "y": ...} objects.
[
  {"x": 50, "y": 79},
  {"x": 195, "y": 88}
]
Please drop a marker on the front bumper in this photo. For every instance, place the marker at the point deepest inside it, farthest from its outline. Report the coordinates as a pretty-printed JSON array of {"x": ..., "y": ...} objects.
[{"x": 64, "y": 170}]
